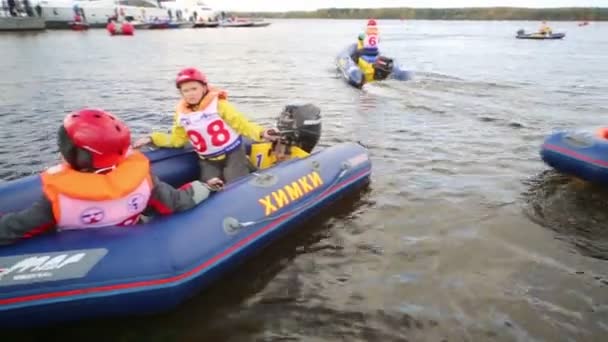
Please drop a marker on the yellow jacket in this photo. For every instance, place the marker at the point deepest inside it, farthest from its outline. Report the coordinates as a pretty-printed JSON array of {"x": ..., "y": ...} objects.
[
  {"x": 262, "y": 157},
  {"x": 367, "y": 69},
  {"x": 178, "y": 137},
  {"x": 545, "y": 29}
]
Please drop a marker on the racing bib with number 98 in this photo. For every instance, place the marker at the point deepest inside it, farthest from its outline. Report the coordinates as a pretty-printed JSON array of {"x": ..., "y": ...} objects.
[{"x": 209, "y": 134}]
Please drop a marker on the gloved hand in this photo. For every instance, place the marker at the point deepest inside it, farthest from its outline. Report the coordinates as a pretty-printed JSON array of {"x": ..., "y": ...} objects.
[
  {"x": 215, "y": 184},
  {"x": 141, "y": 142},
  {"x": 270, "y": 134},
  {"x": 200, "y": 191}
]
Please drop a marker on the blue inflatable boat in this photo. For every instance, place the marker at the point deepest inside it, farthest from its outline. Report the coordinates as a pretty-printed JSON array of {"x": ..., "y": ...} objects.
[
  {"x": 539, "y": 36},
  {"x": 354, "y": 76},
  {"x": 154, "y": 266},
  {"x": 580, "y": 153}
]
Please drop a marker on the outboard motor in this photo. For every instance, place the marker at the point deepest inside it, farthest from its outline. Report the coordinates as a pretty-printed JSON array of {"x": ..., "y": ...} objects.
[
  {"x": 521, "y": 32},
  {"x": 300, "y": 125},
  {"x": 383, "y": 66}
]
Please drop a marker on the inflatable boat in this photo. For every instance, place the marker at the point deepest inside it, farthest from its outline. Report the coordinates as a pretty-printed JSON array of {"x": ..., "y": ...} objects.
[
  {"x": 120, "y": 29},
  {"x": 354, "y": 76},
  {"x": 78, "y": 26},
  {"x": 236, "y": 22},
  {"x": 82, "y": 274},
  {"x": 205, "y": 24},
  {"x": 166, "y": 24},
  {"x": 580, "y": 153},
  {"x": 522, "y": 35}
]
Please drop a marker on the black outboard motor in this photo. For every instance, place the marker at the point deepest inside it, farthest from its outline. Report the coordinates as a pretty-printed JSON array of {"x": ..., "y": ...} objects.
[
  {"x": 521, "y": 32},
  {"x": 383, "y": 66},
  {"x": 300, "y": 125}
]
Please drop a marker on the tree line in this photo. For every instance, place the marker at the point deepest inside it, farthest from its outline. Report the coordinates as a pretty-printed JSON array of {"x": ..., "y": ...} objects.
[{"x": 491, "y": 13}]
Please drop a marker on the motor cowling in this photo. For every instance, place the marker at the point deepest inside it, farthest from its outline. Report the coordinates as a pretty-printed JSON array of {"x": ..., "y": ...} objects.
[
  {"x": 300, "y": 125},
  {"x": 383, "y": 66}
]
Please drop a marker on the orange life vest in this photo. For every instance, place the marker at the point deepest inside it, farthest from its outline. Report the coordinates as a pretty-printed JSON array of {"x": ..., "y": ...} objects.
[{"x": 93, "y": 200}]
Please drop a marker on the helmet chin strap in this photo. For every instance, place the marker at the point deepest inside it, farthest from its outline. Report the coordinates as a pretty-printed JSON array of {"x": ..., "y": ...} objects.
[
  {"x": 105, "y": 169},
  {"x": 102, "y": 170},
  {"x": 198, "y": 103},
  {"x": 90, "y": 149}
]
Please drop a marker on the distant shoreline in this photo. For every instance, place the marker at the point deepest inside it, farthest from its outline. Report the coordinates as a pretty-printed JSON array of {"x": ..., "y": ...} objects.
[{"x": 481, "y": 13}]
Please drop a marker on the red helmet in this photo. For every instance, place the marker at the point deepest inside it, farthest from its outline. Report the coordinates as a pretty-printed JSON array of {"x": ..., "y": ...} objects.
[
  {"x": 371, "y": 22},
  {"x": 190, "y": 74},
  {"x": 93, "y": 138}
]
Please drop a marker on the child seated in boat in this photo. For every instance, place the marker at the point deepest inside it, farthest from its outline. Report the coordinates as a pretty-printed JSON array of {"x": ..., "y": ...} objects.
[
  {"x": 367, "y": 51},
  {"x": 206, "y": 119},
  {"x": 101, "y": 183},
  {"x": 299, "y": 130},
  {"x": 545, "y": 29}
]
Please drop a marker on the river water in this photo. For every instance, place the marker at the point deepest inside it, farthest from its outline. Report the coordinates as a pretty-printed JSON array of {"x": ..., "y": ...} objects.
[{"x": 463, "y": 235}]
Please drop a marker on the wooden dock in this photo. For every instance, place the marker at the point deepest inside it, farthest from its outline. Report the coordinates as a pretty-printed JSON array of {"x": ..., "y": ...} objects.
[{"x": 22, "y": 24}]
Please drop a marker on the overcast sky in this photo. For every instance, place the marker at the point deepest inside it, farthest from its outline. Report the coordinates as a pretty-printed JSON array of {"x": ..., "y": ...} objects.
[{"x": 306, "y": 5}]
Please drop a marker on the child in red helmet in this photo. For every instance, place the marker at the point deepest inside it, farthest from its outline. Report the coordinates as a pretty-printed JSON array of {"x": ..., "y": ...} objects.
[
  {"x": 367, "y": 50},
  {"x": 101, "y": 183},
  {"x": 206, "y": 119}
]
